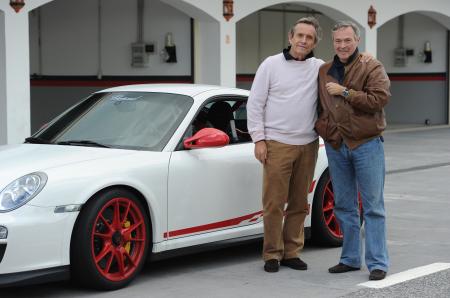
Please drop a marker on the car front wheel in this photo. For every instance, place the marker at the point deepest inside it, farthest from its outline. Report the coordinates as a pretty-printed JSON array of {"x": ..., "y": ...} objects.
[{"x": 110, "y": 240}]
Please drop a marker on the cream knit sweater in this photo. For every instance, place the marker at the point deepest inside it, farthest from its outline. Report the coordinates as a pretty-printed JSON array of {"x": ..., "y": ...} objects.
[{"x": 283, "y": 101}]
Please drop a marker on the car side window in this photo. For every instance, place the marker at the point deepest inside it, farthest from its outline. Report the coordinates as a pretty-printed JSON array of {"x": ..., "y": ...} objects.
[{"x": 228, "y": 115}]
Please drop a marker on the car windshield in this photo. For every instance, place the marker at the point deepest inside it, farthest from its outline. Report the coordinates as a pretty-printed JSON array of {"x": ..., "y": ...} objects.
[{"x": 127, "y": 120}]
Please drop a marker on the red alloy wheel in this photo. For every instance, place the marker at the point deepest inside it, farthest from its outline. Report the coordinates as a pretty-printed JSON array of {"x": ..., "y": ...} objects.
[
  {"x": 328, "y": 210},
  {"x": 118, "y": 239}
]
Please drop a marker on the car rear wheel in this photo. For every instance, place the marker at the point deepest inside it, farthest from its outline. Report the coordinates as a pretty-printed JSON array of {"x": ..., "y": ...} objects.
[
  {"x": 325, "y": 227},
  {"x": 110, "y": 240}
]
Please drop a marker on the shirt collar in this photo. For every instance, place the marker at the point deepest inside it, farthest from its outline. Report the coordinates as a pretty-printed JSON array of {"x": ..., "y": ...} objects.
[
  {"x": 337, "y": 69},
  {"x": 288, "y": 55},
  {"x": 338, "y": 63}
]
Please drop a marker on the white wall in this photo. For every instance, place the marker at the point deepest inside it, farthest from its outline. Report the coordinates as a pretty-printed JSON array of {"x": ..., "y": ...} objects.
[
  {"x": 70, "y": 38},
  {"x": 247, "y": 45},
  {"x": 418, "y": 30},
  {"x": 207, "y": 45}
]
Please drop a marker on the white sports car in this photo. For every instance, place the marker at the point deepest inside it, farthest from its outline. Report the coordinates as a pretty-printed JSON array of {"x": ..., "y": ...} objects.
[{"x": 134, "y": 172}]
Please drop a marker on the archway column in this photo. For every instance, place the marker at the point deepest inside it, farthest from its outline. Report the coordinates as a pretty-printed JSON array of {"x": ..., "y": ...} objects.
[
  {"x": 448, "y": 74},
  {"x": 371, "y": 41},
  {"x": 14, "y": 77},
  {"x": 227, "y": 54}
]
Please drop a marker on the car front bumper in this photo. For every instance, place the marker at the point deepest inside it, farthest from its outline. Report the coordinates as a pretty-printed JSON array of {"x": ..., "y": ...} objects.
[{"x": 38, "y": 239}]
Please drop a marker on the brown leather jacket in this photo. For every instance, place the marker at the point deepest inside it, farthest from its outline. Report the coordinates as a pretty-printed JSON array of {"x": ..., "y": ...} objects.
[{"x": 359, "y": 117}]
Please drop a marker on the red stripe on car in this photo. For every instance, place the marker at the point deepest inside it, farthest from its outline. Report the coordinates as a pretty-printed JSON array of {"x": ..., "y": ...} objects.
[
  {"x": 212, "y": 226},
  {"x": 311, "y": 188}
]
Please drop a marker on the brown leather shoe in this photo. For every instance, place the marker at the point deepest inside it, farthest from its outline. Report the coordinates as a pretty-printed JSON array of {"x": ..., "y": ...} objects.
[
  {"x": 271, "y": 266},
  {"x": 294, "y": 263},
  {"x": 377, "y": 274},
  {"x": 341, "y": 268}
]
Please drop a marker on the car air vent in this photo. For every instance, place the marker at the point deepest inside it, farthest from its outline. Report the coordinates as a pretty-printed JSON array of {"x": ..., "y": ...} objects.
[{"x": 2, "y": 251}]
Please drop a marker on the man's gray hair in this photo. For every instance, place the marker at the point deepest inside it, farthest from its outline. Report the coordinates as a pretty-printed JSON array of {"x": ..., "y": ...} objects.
[
  {"x": 345, "y": 24},
  {"x": 309, "y": 21}
]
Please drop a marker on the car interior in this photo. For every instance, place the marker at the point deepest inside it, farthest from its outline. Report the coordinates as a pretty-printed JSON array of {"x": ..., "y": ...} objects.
[{"x": 229, "y": 116}]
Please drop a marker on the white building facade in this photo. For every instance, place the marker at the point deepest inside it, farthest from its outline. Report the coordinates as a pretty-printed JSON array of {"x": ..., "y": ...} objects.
[{"x": 57, "y": 49}]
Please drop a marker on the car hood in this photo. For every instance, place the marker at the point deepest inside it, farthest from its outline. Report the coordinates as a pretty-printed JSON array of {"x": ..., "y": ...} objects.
[{"x": 19, "y": 160}]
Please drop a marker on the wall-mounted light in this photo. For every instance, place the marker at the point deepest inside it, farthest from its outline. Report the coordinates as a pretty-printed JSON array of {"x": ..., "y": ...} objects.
[
  {"x": 371, "y": 17},
  {"x": 427, "y": 53},
  {"x": 17, "y": 4},
  {"x": 169, "y": 53},
  {"x": 228, "y": 9}
]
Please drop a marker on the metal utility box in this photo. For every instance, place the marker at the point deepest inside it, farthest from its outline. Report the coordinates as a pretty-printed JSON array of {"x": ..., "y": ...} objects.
[
  {"x": 400, "y": 57},
  {"x": 139, "y": 57}
]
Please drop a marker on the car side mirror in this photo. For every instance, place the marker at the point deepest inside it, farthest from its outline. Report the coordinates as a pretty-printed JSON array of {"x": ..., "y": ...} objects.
[{"x": 207, "y": 137}]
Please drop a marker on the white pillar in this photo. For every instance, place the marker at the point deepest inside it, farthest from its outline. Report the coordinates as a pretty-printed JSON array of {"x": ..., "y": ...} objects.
[
  {"x": 448, "y": 81},
  {"x": 14, "y": 77},
  {"x": 371, "y": 41},
  {"x": 227, "y": 53}
]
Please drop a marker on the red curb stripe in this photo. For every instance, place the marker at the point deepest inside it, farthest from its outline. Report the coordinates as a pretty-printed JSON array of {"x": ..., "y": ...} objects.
[{"x": 418, "y": 78}]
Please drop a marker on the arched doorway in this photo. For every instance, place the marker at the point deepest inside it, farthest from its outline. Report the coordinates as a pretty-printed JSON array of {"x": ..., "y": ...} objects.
[{"x": 414, "y": 48}]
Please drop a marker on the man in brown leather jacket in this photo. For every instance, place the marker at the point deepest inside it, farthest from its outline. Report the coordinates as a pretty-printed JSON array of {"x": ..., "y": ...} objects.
[{"x": 351, "y": 120}]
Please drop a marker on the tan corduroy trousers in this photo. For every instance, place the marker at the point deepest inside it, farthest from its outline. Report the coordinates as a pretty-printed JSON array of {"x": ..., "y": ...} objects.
[{"x": 288, "y": 174}]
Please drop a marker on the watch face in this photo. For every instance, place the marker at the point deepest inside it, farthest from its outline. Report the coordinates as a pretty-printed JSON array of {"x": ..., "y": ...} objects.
[{"x": 345, "y": 93}]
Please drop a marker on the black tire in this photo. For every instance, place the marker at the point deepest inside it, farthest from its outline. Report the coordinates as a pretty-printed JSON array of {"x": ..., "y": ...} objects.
[
  {"x": 323, "y": 233},
  {"x": 125, "y": 240}
]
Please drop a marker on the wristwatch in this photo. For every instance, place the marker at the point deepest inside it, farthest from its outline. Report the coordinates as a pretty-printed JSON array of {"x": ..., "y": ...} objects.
[{"x": 345, "y": 93}]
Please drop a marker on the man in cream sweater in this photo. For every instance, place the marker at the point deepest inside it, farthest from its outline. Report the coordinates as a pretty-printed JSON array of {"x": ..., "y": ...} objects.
[{"x": 281, "y": 115}]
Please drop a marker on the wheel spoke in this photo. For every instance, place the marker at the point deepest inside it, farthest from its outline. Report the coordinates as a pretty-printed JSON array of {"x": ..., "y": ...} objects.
[
  {"x": 104, "y": 236},
  {"x": 108, "y": 248},
  {"x": 329, "y": 220},
  {"x": 116, "y": 218},
  {"x": 126, "y": 232},
  {"x": 125, "y": 214},
  {"x": 328, "y": 207},
  {"x": 338, "y": 229},
  {"x": 135, "y": 226},
  {"x": 126, "y": 255},
  {"x": 329, "y": 192},
  {"x": 136, "y": 239},
  {"x": 108, "y": 264},
  {"x": 106, "y": 222},
  {"x": 120, "y": 261}
]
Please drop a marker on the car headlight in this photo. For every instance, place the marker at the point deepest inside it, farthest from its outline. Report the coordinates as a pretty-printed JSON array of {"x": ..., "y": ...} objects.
[{"x": 21, "y": 190}]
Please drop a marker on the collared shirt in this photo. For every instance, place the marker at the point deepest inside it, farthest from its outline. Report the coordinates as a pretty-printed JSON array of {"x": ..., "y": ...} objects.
[
  {"x": 288, "y": 55},
  {"x": 337, "y": 69}
]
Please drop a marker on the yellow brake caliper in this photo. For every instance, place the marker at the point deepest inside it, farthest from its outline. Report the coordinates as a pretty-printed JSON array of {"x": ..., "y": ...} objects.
[{"x": 127, "y": 245}]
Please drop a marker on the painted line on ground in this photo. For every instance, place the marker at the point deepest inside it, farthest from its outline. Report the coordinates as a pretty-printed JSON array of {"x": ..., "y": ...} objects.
[
  {"x": 418, "y": 168},
  {"x": 406, "y": 275}
]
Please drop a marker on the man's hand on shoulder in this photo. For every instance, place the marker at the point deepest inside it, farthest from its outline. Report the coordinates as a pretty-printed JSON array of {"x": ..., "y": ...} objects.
[
  {"x": 366, "y": 57},
  {"x": 261, "y": 151}
]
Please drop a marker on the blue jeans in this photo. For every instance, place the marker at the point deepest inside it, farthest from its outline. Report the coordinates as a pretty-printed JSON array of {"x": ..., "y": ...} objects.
[{"x": 361, "y": 169}]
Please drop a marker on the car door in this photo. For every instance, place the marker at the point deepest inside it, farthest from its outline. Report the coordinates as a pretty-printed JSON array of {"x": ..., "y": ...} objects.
[{"x": 212, "y": 189}]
